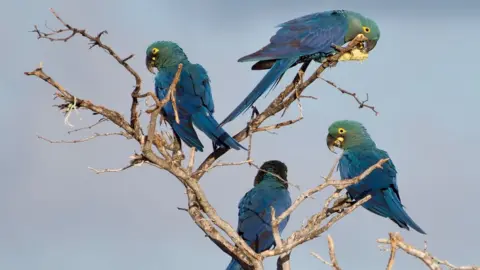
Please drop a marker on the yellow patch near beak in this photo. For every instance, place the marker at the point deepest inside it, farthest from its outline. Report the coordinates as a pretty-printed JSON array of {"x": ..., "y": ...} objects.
[
  {"x": 354, "y": 55},
  {"x": 338, "y": 142}
]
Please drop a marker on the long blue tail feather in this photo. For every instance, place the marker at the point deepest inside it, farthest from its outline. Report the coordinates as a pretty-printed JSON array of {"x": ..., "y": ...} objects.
[
  {"x": 272, "y": 76},
  {"x": 206, "y": 123},
  {"x": 397, "y": 213},
  {"x": 187, "y": 133}
]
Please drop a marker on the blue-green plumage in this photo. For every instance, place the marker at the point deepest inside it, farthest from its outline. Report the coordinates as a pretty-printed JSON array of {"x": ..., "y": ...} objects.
[
  {"x": 254, "y": 212},
  {"x": 359, "y": 154},
  {"x": 302, "y": 40},
  {"x": 193, "y": 95}
]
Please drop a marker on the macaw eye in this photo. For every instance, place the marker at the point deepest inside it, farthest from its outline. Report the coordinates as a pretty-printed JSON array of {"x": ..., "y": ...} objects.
[
  {"x": 366, "y": 29},
  {"x": 341, "y": 131},
  {"x": 154, "y": 51}
]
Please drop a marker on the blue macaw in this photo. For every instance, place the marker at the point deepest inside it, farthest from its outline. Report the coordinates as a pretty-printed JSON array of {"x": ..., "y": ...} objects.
[
  {"x": 359, "y": 154},
  {"x": 302, "y": 40},
  {"x": 194, "y": 96},
  {"x": 254, "y": 209}
]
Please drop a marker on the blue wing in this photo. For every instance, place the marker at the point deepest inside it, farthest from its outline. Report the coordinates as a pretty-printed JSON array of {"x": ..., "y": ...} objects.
[
  {"x": 310, "y": 34},
  {"x": 195, "y": 105},
  {"x": 184, "y": 129},
  {"x": 254, "y": 217},
  {"x": 381, "y": 184},
  {"x": 254, "y": 221}
]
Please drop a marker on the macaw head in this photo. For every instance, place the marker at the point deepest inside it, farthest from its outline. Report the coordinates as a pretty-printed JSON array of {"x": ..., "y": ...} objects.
[
  {"x": 347, "y": 133},
  {"x": 359, "y": 24},
  {"x": 164, "y": 54},
  {"x": 274, "y": 166}
]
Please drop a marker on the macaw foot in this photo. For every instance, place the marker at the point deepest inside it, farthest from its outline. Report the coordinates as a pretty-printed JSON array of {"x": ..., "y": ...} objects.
[
  {"x": 340, "y": 204},
  {"x": 178, "y": 156},
  {"x": 163, "y": 120},
  {"x": 215, "y": 145},
  {"x": 255, "y": 112}
]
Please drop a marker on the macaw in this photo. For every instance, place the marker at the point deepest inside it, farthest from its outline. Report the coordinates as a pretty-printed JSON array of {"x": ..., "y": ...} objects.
[
  {"x": 254, "y": 209},
  {"x": 193, "y": 96},
  {"x": 360, "y": 153},
  {"x": 302, "y": 40}
]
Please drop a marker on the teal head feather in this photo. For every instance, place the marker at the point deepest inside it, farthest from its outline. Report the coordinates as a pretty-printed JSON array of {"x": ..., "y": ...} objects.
[
  {"x": 162, "y": 54},
  {"x": 346, "y": 134},
  {"x": 359, "y": 24}
]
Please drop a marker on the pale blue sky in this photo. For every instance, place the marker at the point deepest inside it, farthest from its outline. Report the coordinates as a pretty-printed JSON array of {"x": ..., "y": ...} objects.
[{"x": 58, "y": 215}]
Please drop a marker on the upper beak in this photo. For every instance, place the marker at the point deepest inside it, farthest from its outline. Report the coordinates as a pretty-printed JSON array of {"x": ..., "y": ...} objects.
[
  {"x": 150, "y": 64},
  {"x": 370, "y": 44},
  {"x": 331, "y": 143}
]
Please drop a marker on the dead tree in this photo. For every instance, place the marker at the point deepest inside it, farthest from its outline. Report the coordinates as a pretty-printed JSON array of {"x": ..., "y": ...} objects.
[{"x": 161, "y": 150}]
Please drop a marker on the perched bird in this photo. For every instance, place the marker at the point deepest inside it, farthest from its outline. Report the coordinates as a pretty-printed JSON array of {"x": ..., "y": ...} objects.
[
  {"x": 359, "y": 154},
  {"x": 193, "y": 96},
  {"x": 302, "y": 40},
  {"x": 254, "y": 209}
]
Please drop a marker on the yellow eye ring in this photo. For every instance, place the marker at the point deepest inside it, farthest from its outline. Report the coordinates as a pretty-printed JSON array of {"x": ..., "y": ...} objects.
[
  {"x": 341, "y": 131},
  {"x": 366, "y": 29},
  {"x": 155, "y": 51}
]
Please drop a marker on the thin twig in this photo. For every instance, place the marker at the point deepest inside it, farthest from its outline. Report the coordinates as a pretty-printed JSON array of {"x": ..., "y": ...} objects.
[
  {"x": 221, "y": 164},
  {"x": 361, "y": 104},
  {"x": 278, "y": 125},
  {"x": 321, "y": 259},
  {"x": 276, "y": 175},
  {"x": 331, "y": 252},
  {"x": 133, "y": 164},
  {"x": 95, "y": 135},
  {"x": 103, "y": 119}
]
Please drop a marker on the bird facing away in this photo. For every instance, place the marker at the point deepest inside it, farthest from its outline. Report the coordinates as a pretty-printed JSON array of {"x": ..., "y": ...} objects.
[
  {"x": 254, "y": 209},
  {"x": 193, "y": 96},
  {"x": 359, "y": 154},
  {"x": 302, "y": 40}
]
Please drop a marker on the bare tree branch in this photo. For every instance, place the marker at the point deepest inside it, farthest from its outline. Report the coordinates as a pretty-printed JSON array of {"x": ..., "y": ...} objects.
[
  {"x": 321, "y": 259},
  {"x": 103, "y": 119},
  {"x": 136, "y": 161},
  {"x": 396, "y": 242},
  {"x": 95, "y": 41},
  {"x": 310, "y": 192},
  {"x": 331, "y": 251},
  {"x": 361, "y": 104},
  {"x": 95, "y": 135}
]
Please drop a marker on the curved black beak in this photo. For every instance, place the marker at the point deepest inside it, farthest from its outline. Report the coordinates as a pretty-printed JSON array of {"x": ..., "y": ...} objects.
[
  {"x": 331, "y": 143},
  {"x": 150, "y": 64},
  {"x": 370, "y": 44}
]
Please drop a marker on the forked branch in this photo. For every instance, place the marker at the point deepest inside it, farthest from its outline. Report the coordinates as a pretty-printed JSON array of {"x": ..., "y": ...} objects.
[{"x": 396, "y": 242}]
